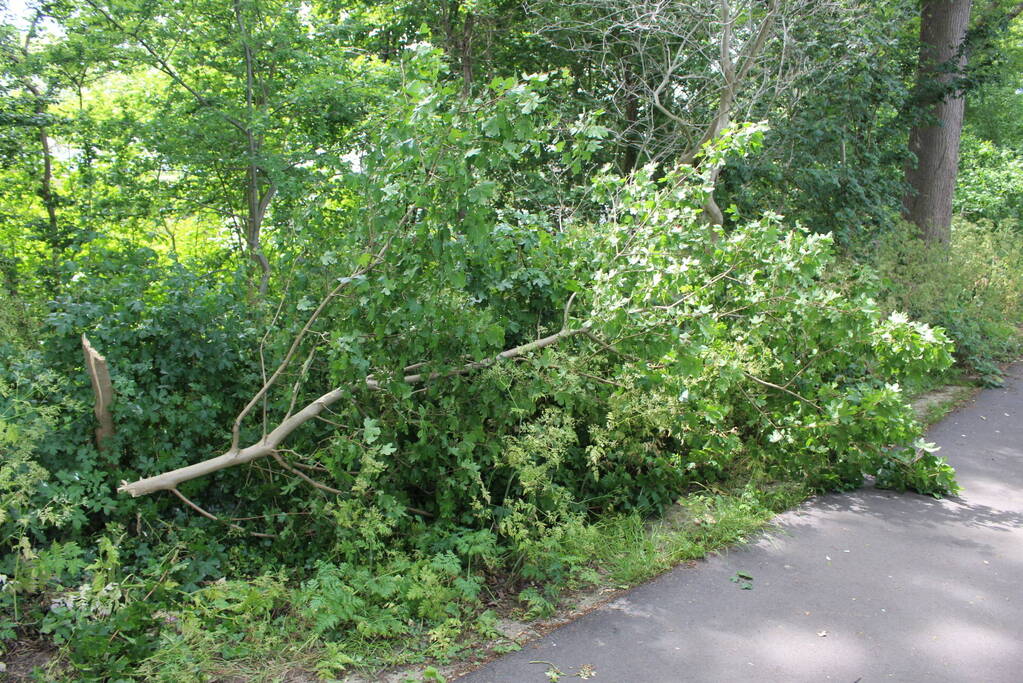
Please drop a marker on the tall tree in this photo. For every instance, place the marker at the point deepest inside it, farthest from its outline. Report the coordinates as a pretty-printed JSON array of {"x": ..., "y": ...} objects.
[
  {"x": 38, "y": 67},
  {"x": 239, "y": 90},
  {"x": 935, "y": 141}
]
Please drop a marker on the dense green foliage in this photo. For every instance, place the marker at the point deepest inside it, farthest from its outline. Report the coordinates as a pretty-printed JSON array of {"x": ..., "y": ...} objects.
[
  {"x": 536, "y": 337},
  {"x": 975, "y": 292}
]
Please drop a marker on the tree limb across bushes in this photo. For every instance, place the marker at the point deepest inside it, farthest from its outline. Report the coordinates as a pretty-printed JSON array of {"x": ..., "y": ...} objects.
[{"x": 269, "y": 444}]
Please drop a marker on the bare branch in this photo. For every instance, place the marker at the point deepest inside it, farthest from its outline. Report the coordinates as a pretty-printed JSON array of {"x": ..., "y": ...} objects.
[
  {"x": 675, "y": 73},
  {"x": 210, "y": 515}
]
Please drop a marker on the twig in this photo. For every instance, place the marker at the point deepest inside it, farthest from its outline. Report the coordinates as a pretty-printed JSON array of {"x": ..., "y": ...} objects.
[
  {"x": 210, "y": 515},
  {"x": 298, "y": 381},
  {"x": 304, "y": 477},
  {"x": 323, "y": 487},
  {"x": 772, "y": 385},
  {"x": 344, "y": 282},
  {"x": 601, "y": 379},
  {"x": 592, "y": 336},
  {"x": 568, "y": 308}
]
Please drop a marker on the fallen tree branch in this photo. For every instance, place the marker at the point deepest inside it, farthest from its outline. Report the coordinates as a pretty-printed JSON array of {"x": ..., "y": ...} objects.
[{"x": 268, "y": 445}]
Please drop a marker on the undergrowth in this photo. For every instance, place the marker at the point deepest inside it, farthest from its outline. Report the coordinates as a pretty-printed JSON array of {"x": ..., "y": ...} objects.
[
  {"x": 336, "y": 624},
  {"x": 973, "y": 290}
]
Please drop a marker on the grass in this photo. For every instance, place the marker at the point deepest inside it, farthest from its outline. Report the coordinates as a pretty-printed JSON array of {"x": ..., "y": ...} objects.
[{"x": 629, "y": 550}]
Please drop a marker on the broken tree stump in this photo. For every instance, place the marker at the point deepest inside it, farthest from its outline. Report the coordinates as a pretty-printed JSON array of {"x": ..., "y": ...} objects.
[{"x": 103, "y": 390}]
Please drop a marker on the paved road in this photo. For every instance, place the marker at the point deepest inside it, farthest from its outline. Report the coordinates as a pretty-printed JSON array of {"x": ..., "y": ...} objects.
[{"x": 868, "y": 586}]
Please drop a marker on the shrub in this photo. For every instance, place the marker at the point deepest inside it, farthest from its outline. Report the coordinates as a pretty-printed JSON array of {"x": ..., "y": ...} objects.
[{"x": 974, "y": 289}]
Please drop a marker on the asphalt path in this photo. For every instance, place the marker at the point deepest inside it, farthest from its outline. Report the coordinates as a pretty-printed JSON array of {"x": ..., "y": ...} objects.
[{"x": 864, "y": 586}]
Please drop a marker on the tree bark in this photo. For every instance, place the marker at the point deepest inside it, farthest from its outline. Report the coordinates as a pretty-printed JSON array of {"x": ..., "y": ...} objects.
[
  {"x": 257, "y": 199},
  {"x": 935, "y": 143},
  {"x": 56, "y": 241},
  {"x": 459, "y": 34},
  {"x": 733, "y": 72}
]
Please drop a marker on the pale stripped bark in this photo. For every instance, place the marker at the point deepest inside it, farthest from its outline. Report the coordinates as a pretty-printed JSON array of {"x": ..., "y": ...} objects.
[{"x": 102, "y": 389}]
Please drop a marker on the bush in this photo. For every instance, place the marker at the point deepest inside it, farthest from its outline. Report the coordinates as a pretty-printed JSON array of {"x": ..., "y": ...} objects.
[
  {"x": 974, "y": 289},
  {"x": 179, "y": 352}
]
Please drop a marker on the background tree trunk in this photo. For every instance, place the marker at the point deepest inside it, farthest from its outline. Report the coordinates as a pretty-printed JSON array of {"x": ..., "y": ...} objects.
[{"x": 935, "y": 142}]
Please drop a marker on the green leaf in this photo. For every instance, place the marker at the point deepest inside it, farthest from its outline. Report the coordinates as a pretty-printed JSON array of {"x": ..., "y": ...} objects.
[
  {"x": 494, "y": 335},
  {"x": 482, "y": 192},
  {"x": 370, "y": 430}
]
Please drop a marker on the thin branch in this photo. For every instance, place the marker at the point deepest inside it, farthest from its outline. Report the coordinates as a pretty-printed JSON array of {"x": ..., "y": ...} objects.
[
  {"x": 772, "y": 385},
  {"x": 210, "y": 515},
  {"x": 608, "y": 347},
  {"x": 304, "y": 477},
  {"x": 600, "y": 379},
  {"x": 504, "y": 355},
  {"x": 298, "y": 380},
  {"x": 166, "y": 68},
  {"x": 342, "y": 284},
  {"x": 323, "y": 487}
]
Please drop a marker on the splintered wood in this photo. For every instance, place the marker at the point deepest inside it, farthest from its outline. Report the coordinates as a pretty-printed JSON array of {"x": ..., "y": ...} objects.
[{"x": 102, "y": 388}]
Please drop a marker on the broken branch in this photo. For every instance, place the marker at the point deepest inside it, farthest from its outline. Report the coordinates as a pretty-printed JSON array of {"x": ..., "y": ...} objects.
[
  {"x": 268, "y": 445},
  {"x": 102, "y": 389}
]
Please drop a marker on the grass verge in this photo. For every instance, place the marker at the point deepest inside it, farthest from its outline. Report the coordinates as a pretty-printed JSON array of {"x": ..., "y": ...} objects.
[{"x": 615, "y": 554}]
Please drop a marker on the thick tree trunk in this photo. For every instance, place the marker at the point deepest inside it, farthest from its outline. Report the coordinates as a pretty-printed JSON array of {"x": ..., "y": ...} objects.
[
  {"x": 936, "y": 143},
  {"x": 256, "y": 198}
]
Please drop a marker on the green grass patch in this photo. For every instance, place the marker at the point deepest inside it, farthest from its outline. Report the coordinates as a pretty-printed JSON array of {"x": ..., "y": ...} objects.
[{"x": 628, "y": 549}]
